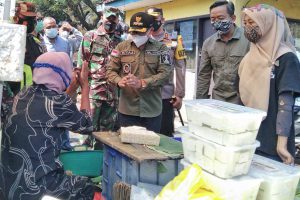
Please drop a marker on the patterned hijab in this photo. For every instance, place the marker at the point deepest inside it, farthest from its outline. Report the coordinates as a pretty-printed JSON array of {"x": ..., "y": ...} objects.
[
  {"x": 255, "y": 68},
  {"x": 54, "y": 70}
]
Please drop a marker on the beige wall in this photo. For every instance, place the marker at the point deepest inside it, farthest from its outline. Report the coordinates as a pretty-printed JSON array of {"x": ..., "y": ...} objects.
[{"x": 178, "y": 9}]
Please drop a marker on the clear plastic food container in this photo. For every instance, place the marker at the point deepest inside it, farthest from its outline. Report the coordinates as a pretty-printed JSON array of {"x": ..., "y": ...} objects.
[
  {"x": 223, "y": 138},
  {"x": 239, "y": 188},
  {"x": 279, "y": 180},
  {"x": 223, "y": 116},
  {"x": 224, "y": 162}
]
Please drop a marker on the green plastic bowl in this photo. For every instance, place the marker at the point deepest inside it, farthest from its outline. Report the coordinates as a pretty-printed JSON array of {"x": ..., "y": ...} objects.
[{"x": 83, "y": 163}]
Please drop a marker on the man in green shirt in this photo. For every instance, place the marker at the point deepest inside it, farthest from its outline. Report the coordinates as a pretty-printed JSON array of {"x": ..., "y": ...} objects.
[
  {"x": 221, "y": 55},
  {"x": 139, "y": 67}
]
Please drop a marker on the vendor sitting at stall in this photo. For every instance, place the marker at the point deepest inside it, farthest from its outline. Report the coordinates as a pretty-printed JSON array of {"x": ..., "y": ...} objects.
[{"x": 32, "y": 135}]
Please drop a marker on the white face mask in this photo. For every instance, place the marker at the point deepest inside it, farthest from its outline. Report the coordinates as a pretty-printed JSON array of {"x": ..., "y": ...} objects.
[
  {"x": 51, "y": 32},
  {"x": 139, "y": 40},
  {"x": 65, "y": 34},
  {"x": 158, "y": 37}
]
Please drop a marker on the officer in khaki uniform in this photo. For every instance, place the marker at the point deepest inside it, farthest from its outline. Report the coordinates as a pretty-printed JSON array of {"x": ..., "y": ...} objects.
[
  {"x": 140, "y": 66},
  {"x": 172, "y": 93}
]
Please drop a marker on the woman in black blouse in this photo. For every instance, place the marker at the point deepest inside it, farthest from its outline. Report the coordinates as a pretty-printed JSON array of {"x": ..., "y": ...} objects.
[{"x": 269, "y": 79}]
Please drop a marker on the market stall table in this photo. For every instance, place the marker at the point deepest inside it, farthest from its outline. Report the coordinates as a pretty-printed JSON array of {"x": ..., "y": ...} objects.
[{"x": 133, "y": 163}]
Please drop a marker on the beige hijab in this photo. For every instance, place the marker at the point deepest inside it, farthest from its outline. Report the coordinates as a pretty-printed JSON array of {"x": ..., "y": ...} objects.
[{"x": 255, "y": 68}]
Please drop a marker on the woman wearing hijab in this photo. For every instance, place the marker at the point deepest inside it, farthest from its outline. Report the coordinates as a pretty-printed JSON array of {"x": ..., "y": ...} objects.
[
  {"x": 32, "y": 135},
  {"x": 269, "y": 79}
]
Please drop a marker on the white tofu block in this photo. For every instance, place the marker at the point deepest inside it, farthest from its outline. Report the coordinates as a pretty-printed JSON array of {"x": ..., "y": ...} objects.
[
  {"x": 223, "y": 116},
  {"x": 139, "y": 135},
  {"x": 223, "y": 138},
  {"x": 12, "y": 51},
  {"x": 222, "y": 161},
  {"x": 239, "y": 188},
  {"x": 279, "y": 180}
]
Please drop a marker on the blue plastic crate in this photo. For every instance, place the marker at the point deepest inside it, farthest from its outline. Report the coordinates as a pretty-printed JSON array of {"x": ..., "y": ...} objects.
[{"x": 119, "y": 167}]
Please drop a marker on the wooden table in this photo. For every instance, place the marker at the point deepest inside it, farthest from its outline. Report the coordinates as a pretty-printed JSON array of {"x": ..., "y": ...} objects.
[{"x": 134, "y": 151}]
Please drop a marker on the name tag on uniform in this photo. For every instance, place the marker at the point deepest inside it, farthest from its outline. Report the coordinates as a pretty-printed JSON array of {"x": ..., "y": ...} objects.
[
  {"x": 153, "y": 52},
  {"x": 127, "y": 53}
]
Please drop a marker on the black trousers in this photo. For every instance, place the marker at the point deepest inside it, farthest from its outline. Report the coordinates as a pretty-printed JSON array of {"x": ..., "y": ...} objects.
[
  {"x": 167, "y": 121},
  {"x": 150, "y": 123}
]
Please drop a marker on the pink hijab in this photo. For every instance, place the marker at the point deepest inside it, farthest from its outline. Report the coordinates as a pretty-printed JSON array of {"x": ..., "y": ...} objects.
[{"x": 54, "y": 70}]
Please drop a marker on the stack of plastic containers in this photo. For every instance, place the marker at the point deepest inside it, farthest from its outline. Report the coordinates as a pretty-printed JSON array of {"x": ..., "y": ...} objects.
[
  {"x": 221, "y": 136},
  {"x": 221, "y": 139}
]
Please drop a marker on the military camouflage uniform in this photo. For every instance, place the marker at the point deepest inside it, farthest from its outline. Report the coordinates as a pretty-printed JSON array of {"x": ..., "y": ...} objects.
[{"x": 96, "y": 48}]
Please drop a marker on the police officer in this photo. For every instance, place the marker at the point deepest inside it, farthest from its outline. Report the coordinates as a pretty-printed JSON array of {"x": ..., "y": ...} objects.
[
  {"x": 172, "y": 95},
  {"x": 137, "y": 67},
  {"x": 96, "y": 48}
]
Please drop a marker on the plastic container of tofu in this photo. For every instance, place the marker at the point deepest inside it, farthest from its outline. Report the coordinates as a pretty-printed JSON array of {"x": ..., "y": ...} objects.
[
  {"x": 222, "y": 161},
  {"x": 239, "y": 188},
  {"x": 223, "y": 138},
  {"x": 279, "y": 180},
  {"x": 223, "y": 116}
]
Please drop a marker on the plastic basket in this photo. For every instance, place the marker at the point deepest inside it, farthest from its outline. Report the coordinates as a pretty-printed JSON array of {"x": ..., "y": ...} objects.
[{"x": 83, "y": 163}]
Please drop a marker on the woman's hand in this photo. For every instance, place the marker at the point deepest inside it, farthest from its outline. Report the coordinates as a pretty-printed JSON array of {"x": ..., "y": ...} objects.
[
  {"x": 71, "y": 90},
  {"x": 282, "y": 151},
  {"x": 83, "y": 75},
  {"x": 83, "y": 81}
]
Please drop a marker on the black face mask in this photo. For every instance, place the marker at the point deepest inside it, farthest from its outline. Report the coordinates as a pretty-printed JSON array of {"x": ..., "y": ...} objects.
[
  {"x": 156, "y": 25},
  {"x": 109, "y": 26}
]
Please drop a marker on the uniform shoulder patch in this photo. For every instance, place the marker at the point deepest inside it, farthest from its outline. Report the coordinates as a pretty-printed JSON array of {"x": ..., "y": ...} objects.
[{"x": 165, "y": 58}]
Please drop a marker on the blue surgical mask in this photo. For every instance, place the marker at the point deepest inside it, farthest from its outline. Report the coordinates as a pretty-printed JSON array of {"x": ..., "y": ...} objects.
[{"x": 51, "y": 33}]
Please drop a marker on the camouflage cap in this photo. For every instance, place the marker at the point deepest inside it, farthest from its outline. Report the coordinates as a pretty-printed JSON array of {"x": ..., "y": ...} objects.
[
  {"x": 141, "y": 22},
  {"x": 154, "y": 11},
  {"x": 111, "y": 11},
  {"x": 26, "y": 9}
]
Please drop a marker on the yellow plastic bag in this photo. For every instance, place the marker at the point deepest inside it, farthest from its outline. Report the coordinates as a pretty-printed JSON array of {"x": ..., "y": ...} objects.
[{"x": 188, "y": 185}]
